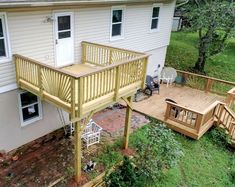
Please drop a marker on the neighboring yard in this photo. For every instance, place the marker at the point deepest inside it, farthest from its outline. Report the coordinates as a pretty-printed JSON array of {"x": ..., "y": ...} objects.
[{"x": 182, "y": 54}]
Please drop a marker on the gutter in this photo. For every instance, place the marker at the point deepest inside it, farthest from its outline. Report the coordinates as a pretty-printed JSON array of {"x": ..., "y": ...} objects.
[{"x": 82, "y": 2}]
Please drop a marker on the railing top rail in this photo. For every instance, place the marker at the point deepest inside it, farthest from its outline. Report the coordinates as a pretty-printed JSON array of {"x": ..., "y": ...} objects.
[
  {"x": 195, "y": 111},
  {"x": 213, "y": 105},
  {"x": 81, "y": 74},
  {"x": 183, "y": 107},
  {"x": 207, "y": 77},
  {"x": 232, "y": 91},
  {"x": 229, "y": 111},
  {"x": 111, "y": 47},
  {"x": 111, "y": 66},
  {"x": 46, "y": 66}
]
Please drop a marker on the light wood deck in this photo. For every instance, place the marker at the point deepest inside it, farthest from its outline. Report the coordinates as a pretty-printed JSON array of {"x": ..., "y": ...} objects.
[
  {"x": 195, "y": 109},
  {"x": 155, "y": 105},
  {"x": 81, "y": 68}
]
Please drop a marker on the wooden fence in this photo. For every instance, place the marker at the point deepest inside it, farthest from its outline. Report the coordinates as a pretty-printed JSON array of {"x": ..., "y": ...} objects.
[{"x": 205, "y": 83}]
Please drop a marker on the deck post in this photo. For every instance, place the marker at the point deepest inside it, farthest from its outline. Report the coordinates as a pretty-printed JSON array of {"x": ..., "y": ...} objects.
[
  {"x": 78, "y": 151},
  {"x": 127, "y": 123}
]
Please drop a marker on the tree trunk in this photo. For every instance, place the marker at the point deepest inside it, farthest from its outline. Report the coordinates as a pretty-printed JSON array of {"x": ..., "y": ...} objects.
[
  {"x": 200, "y": 64},
  {"x": 202, "y": 56}
]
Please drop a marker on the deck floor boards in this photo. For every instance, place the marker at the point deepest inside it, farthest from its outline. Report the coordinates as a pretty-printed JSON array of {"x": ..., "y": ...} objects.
[
  {"x": 80, "y": 68},
  {"x": 155, "y": 105}
]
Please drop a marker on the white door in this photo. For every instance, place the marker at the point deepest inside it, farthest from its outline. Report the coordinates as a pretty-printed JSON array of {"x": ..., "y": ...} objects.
[{"x": 64, "y": 39}]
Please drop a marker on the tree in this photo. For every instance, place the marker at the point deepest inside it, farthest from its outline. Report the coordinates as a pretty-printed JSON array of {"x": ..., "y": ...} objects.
[{"x": 214, "y": 20}]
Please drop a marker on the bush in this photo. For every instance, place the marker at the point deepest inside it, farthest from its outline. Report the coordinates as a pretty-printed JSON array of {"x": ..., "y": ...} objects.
[
  {"x": 124, "y": 175},
  {"x": 220, "y": 137},
  {"x": 160, "y": 153},
  {"x": 156, "y": 151}
]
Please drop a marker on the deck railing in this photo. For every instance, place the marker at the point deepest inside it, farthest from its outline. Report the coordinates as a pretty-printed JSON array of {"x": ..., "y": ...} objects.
[
  {"x": 104, "y": 55},
  {"x": 82, "y": 93},
  {"x": 205, "y": 83},
  {"x": 230, "y": 99},
  {"x": 200, "y": 121},
  {"x": 192, "y": 119}
]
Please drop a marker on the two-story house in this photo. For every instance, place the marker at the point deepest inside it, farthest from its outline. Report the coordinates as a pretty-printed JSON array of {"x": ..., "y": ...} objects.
[{"x": 51, "y": 32}]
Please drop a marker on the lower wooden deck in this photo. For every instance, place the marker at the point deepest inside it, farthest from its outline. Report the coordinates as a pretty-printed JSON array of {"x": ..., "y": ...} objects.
[{"x": 155, "y": 106}]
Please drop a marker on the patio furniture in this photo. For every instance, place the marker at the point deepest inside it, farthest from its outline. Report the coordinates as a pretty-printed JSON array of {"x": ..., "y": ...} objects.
[
  {"x": 168, "y": 75},
  {"x": 151, "y": 85},
  {"x": 180, "y": 80},
  {"x": 91, "y": 134}
]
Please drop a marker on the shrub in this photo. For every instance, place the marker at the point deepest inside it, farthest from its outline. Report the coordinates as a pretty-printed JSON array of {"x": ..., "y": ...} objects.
[
  {"x": 124, "y": 175},
  {"x": 159, "y": 153},
  {"x": 220, "y": 137}
]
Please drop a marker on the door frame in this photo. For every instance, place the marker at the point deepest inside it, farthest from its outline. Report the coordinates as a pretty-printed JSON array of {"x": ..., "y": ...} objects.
[{"x": 55, "y": 32}]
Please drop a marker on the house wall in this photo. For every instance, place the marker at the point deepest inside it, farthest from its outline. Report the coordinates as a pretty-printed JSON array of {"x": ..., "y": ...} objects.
[
  {"x": 31, "y": 36},
  {"x": 12, "y": 135}
]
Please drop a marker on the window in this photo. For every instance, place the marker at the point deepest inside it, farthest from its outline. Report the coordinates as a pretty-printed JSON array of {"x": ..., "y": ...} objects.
[
  {"x": 30, "y": 108},
  {"x": 155, "y": 18},
  {"x": 117, "y": 23},
  {"x": 4, "y": 40}
]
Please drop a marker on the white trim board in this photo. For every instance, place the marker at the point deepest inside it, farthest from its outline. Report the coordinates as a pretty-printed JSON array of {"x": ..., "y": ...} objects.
[{"x": 8, "y": 88}]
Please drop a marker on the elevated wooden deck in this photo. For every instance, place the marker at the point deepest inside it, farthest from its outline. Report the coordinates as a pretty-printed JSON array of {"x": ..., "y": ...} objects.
[
  {"x": 197, "y": 106},
  {"x": 105, "y": 75}
]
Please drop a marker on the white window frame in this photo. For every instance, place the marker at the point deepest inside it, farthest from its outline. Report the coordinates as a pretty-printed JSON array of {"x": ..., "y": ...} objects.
[
  {"x": 32, "y": 120},
  {"x": 6, "y": 38},
  {"x": 151, "y": 17},
  {"x": 119, "y": 37}
]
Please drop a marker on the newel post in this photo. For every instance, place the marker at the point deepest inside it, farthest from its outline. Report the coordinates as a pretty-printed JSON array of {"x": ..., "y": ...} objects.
[
  {"x": 15, "y": 60},
  {"x": 145, "y": 66},
  {"x": 84, "y": 52},
  {"x": 208, "y": 85}
]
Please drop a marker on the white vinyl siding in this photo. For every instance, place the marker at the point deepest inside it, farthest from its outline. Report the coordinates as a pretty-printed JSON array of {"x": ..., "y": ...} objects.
[{"x": 32, "y": 35}]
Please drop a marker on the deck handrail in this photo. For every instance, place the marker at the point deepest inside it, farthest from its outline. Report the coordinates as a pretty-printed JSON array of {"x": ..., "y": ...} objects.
[
  {"x": 190, "y": 117},
  {"x": 206, "y": 83},
  {"x": 102, "y": 55},
  {"x": 216, "y": 112},
  {"x": 79, "y": 94},
  {"x": 230, "y": 97}
]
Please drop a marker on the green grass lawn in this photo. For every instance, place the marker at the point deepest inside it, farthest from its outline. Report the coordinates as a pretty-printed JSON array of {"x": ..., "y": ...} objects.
[
  {"x": 182, "y": 54},
  {"x": 204, "y": 164}
]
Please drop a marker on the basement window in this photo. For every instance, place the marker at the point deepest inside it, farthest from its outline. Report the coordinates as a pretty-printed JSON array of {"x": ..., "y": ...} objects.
[
  {"x": 5, "y": 55},
  {"x": 155, "y": 18},
  {"x": 117, "y": 23},
  {"x": 30, "y": 108}
]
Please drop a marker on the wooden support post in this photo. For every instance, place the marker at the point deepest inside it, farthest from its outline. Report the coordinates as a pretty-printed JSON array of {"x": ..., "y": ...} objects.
[
  {"x": 78, "y": 151},
  {"x": 208, "y": 85},
  {"x": 127, "y": 123}
]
